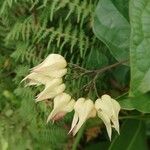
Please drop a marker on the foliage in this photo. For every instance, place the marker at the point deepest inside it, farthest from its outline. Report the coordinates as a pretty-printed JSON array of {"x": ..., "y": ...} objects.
[
  {"x": 113, "y": 31},
  {"x": 30, "y": 30}
]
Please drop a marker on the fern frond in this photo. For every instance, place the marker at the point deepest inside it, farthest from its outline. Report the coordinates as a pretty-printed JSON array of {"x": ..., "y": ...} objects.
[{"x": 63, "y": 35}]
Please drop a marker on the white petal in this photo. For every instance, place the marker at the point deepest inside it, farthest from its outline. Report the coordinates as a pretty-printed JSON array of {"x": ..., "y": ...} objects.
[
  {"x": 69, "y": 106},
  {"x": 53, "y": 73},
  {"x": 74, "y": 122},
  {"x": 49, "y": 93},
  {"x": 115, "y": 124},
  {"x": 116, "y": 107},
  {"x": 107, "y": 122},
  {"x": 52, "y": 59},
  {"x": 114, "y": 119},
  {"x": 36, "y": 79},
  {"x": 61, "y": 100},
  {"x": 106, "y": 105}
]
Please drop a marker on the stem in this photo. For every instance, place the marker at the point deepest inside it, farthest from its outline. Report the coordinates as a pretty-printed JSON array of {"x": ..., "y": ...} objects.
[
  {"x": 94, "y": 82},
  {"x": 109, "y": 67},
  {"x": 78, "y": 137},
  {"x": 98, "y": 71},
  {"x": 94, "y": 73},
  {"x": 77, "y": 66}
]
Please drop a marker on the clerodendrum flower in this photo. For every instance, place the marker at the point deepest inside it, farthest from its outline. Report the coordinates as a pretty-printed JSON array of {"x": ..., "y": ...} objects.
[
  {"x": 62, "y": 105},
  {"x": 108, "y": 110},
  {"x": 84, "y": 109},
  {"x": 53, "y": 66},
  {"x": 48, "y": 73}
]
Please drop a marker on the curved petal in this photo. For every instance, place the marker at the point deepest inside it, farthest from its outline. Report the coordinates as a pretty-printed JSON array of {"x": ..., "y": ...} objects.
[
  {"x": 36, "y": 79},
  {"x": 51, "y": 60},
  {"x": 49, "y": 93},
  {"x": 53, "y": 73},
  {"x": 114, "y": 118},
  {"x": 74, "y": 122},
  {"x": 107, "y": 122}
]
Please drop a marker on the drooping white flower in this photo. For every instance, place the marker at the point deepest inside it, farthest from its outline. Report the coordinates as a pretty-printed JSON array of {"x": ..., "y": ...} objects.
[
  {"x": 52, "y": 67},
  {"x": 62, "y": 105},
  {"x": 84, "y": 109},
  {"x": 51, "y": 63},
  {"x": 48, "y": 73},
  {"x": 51, "y": 90},
  {"x": 108, "y": 110}
]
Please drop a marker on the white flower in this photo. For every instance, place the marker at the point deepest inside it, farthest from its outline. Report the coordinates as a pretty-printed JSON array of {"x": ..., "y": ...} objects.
[
  {"x": 53, "y": 66},
  {"x": 84, "y": 109},
  {"x": 48, "y": 73},
  {"x": 62, "y": 105},
  {"x": 108, "y": 110},
  {"x": 52, "y": 89}
]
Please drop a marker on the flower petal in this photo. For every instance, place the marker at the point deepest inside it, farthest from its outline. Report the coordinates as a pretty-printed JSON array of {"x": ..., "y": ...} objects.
[
  {"x": 74, "y": 122},
  {"x": 52, "y": 60},
  {"x": 107, "y": 122},
  {"x": 36, "y": 79},
  {"x": 114, "y": 118},
  {"x": 53, "y": 73},
  {"x": 50, "y": 92}
]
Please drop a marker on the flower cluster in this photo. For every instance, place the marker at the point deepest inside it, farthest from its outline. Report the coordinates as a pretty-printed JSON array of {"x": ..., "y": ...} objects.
[{"x": 50, "y": 73}]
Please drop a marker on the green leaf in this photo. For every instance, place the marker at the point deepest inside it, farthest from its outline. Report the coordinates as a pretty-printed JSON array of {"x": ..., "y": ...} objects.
[
  {"x": 111, "y": 27},
  {"x": 140, "y": 46},
  {"x": 123, "y": 7},
  {"x": 96, "y": 60},
  {"x": 140, "y": 103},
  {"x": 145, "y": 84},
  {"x": 132, "y": 137}
]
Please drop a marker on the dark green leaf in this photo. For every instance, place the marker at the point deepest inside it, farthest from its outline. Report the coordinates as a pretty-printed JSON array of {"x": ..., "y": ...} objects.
[
  {"x": 111, "y": 27},
  {"x": 132, "y": 137}
]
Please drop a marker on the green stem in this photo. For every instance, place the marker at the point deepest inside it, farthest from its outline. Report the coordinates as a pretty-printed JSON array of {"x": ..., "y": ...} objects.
[{"x": 78, "y": 137}]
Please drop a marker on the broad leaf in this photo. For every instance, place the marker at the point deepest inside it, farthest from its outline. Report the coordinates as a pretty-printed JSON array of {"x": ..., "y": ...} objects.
[
  {"x": 132, "y": 137},
  {"x": 140, "y": 46},
  {"x": 140, "y": 103},
  {"x": 111, "y": 27}
]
